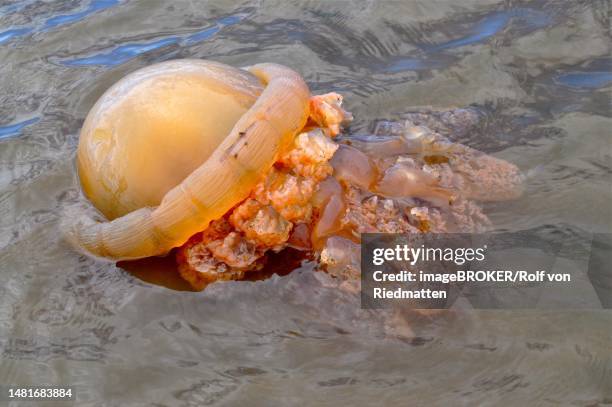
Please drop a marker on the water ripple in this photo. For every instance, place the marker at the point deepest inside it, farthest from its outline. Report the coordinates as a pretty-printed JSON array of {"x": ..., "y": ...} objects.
[
  {"x": 12, "y": 8},
  {"x": 55, "y": 21},
  {"x": 94, "y": 6},
  {"x": 494, "y": 23},
  {"x": 431, "y": 57},
  {"x": 12, "y": 33},
  {"x": 590, "y": 80},
  {"x": 123, "y": 53},
  {"x": 14, "y": 130},
  {"x": 417, "y": 64}
]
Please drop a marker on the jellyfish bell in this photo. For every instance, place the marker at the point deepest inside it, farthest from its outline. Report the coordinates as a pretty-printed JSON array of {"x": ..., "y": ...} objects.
[
  {"x": 175, "y": 146},
  {"x": 154, "y": 127}
]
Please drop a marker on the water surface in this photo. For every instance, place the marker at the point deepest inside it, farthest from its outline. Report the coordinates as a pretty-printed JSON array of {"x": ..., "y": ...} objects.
[{"x": 538, "y": 70}]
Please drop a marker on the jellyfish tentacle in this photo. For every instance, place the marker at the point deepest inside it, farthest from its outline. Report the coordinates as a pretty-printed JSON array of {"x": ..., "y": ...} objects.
[
  {"x": 226, "y": 178},
  {"x": 404, "y": 181},
  {"x": 413, "y": 140}
]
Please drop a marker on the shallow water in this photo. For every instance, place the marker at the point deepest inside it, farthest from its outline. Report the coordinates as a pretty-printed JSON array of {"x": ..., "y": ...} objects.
[{"x": 538, "y": 70}]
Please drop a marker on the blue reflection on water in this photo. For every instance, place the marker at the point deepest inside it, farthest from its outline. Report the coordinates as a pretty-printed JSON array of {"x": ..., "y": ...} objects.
[
  {"x": 589, "y": 80},
  {"x": 121, "y": 54},
  {"x": 202, "y": 35},
  {"x": 416, "y": 64},
  {"x": 494, "y": 23},
  {"x": 229, "y": 20},
  {"x": 16, "y": 32},
  {"x": 124, "y": 53},
  {"x": 96, "y": 5},
  {"x": 13, "y": 130},
  {"x": 486, "y": 28},
  {"x": 407, "y": 64}
]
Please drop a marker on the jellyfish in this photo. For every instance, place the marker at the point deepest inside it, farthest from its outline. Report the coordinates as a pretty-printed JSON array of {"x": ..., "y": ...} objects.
[{"x": 220, "y": 166}]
